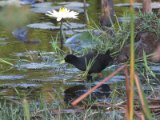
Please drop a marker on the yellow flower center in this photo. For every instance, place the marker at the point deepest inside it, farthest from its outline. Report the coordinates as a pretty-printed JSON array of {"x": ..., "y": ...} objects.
[{"x": 62, "y": 9}]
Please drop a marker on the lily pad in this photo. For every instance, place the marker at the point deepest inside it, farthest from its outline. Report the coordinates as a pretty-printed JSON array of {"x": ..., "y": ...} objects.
[
  {"x": 11, "y": 77},
  {"x": 118, "y": 78},
  {"x": 60, "y": 77},
  {"x": 79, "y": 41},
  {"x": 43, "y": 25},
  {"x": 48, "y": 6},
  {"x": 45, "y": 9},
  {"x": 73, "y": 4},
  {"x": 29, "y": 53},
  {"x": 27, "y": 85},
  {"x": 154, "y": 5},
  {"x": 71, "y": 70},
  {"x": 125, "y": 19},
  {"x": 127, "y": 4},
  {"x": 42, "y": 7},
  {"x": 3, "y": 39},
  {"x": 26, "y": 2},
  {"x": 9, "y": 2},
  {"x": 21, "y": 34},
  {"x": 51, "y": 26},
  {"x": 35, "y": 66},
  {"x": 20, "y": 85}
]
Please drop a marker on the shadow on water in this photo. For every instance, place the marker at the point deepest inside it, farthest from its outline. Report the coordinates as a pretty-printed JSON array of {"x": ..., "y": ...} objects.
[{"x": 37, "y": 70}]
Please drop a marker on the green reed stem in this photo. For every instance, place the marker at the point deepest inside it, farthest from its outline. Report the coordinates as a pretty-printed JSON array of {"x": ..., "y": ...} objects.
[
  {"x": 61, "y": 34},
  {"x": 132, "y": 63},
  {"x": 6, "y": 62},
  {"x": 26, "y": 109},
  {"x": 86, "y": 13}
]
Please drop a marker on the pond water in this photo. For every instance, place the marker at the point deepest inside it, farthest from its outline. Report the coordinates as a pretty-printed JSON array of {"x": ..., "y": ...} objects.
[{"x": 36, "y": 68}]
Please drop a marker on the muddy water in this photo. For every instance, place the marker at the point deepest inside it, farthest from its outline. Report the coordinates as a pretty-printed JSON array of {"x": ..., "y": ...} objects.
[{"x": 36, "y": 68}]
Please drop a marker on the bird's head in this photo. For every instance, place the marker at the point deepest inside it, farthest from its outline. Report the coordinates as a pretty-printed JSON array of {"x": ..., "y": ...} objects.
[{"x": 70, "y": 58}]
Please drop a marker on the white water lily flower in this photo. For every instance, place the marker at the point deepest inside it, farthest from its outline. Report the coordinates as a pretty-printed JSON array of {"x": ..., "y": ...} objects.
[{"x": 63, "y": 13}]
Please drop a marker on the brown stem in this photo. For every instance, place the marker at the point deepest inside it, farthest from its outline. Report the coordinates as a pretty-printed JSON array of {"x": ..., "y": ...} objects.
[
  {"x": 142, "y": 99},
  {"x": 127, "y": 91},
  {"x": 147, "y": 6}
]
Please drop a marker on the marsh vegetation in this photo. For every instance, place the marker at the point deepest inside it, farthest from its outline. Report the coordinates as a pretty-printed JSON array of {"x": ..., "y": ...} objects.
[{"x": 35, "y": 83}]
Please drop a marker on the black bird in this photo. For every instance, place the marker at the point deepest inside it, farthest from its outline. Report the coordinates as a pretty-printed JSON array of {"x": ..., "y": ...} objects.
[{"x": 92, "y": 62}]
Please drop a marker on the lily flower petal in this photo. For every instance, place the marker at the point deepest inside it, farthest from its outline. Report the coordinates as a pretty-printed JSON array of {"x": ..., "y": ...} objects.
[
  {"x": 63, "y": 13},
  {"x": 59, "y": 19}
]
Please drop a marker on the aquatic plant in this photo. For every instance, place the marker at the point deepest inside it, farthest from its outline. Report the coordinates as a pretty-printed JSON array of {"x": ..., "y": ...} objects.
[{"x": 61, "y": 15}]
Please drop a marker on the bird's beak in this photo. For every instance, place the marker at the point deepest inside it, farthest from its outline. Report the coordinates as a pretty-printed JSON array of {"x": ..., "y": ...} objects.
[{"x": 62, "y": 61}]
